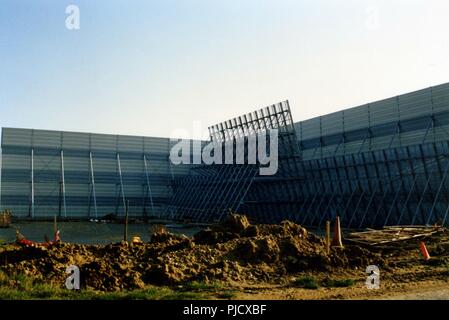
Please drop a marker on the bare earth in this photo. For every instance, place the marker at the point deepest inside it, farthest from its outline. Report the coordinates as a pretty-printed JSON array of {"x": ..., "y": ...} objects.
[
  {"x": 244, "y": 261},
  {"x": 422, "y": 290}
]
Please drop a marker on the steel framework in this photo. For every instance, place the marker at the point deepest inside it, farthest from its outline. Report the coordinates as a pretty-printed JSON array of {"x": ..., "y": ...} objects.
[
  {"x": 386, "y": 162},
  {"x": 210, "y": 192}
]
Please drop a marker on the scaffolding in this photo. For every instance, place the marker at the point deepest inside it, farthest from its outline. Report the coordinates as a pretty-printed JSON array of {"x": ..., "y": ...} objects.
[
  {"x": 210, "y": 192},
  {"x": 382, "y": 163}
]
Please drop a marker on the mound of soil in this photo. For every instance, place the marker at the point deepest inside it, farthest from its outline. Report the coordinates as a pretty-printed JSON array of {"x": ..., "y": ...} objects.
[{"x": 232, "y": 250}]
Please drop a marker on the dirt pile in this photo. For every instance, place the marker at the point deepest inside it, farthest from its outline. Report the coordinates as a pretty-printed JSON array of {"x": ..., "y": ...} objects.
[{"x": 233, "y": 250}]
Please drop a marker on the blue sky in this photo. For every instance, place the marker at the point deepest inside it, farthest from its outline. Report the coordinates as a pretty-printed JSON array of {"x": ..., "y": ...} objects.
[{"x": 150, "y": 67}]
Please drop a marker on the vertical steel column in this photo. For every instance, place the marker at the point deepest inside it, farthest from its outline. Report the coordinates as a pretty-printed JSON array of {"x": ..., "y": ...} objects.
[
  {"x": 32, "y": 184},
  {"x": 121, "y": 181},
  {"x": 170, "y": 163},
  {"x": 148, "y": 182},
  {"x": 92, "y": 177},
  {"x": 63, "y": 185}
]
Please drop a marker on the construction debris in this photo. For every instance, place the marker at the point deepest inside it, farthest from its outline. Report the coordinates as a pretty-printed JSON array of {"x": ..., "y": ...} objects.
[{"x": 391, "y": 234}]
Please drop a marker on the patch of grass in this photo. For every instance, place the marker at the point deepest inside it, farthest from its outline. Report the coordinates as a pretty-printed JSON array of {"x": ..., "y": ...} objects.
[
  {"x": 309, "y": 282},
  {"x": 306, "y": 282},
  {"x": 201, "y": 286},
  {"x": 21, "y": 287},
  {"x": 202, "y": 290},
  {"x": 337, "y": 283},
  {"x": 185, "y": 296},
  {"x": 228, "y": 294}
]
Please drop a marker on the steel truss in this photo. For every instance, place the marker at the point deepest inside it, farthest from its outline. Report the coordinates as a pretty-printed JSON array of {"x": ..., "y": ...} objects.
[{"x": 210, "y": 192}]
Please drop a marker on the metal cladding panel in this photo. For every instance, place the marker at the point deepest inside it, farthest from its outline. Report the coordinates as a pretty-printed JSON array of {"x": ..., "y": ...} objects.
[
  {"x": 79, "y": 190},
  {"x": 103, "y": 189},
  {"x": 129, "y": 165},
  {"x": 47, "y": 138},
  {"x": 160, "y": 191},
  {"x": 47, "y": 163},
  {"x": 103, "y": 142},
  {"x": 78, "y": 180},
  {"x": 332, "y": 123},
  {"x": 132, "y": 189},
  {"x": 311, "y": 128},
  {"x": 104, "y": 165},
  {"x": 76, "y": 210},
  {"x": 46, "y": 188},
  {"x": 440, "y": 133},
  {"x": 384, "y": 111},
  {"x": 19, "y": 210},
  {"x": 308, "y": 154},
  {"x": 130, "y": 143},
  {"x": 414, "y": 137},
  {"x": 76, "y": 163},
  {"x": 15, "y": 188},
  {"x": 75, "y": 140},
  {"x": 156, "y": 145},
  {"x": 328, "y": 151},
  {"x": 415, "y": 104},
  {"x": 16, "y": 137},
  {"x": 440, "y": 97},
  {"x": 354, "y": 147},
  {"x": 15, "y": 175},
  {"x": 46, "y": 210},
  {"x": 14, "y": 161},
  {"x": 158, "y": 166},
  {"x": 382, "y": 142},
  {"x": 104, "y": 210},
  {"x": 180, "y": 169},
  {"x": 356, "y": 118}
]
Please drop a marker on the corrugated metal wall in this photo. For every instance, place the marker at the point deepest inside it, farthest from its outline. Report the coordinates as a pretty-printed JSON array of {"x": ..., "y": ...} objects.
[
  {"x": 383, "y": 162},
  {"x": 58, "y": 157},
  {"x": 414, "y": 118}
]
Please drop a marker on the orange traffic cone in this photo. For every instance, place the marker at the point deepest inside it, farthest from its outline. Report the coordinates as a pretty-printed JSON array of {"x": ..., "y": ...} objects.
[
  {"x": 336, "y": 241},
  {"x": 425, "y": 253}
]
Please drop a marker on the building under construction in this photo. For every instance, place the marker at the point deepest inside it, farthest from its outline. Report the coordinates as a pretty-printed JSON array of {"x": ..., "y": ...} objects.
[{"x": 383, "y": 163}]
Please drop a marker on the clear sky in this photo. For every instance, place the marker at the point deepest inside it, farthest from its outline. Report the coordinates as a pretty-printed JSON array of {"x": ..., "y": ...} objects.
[{"x": 149, "y": 67}]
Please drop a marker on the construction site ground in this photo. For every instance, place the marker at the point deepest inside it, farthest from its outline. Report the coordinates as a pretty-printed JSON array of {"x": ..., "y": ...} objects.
[{"x": 231, "y": 260}]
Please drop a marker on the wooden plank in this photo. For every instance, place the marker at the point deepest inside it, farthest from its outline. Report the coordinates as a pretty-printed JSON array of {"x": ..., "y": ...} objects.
[{"x": 392, "y": 234}]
